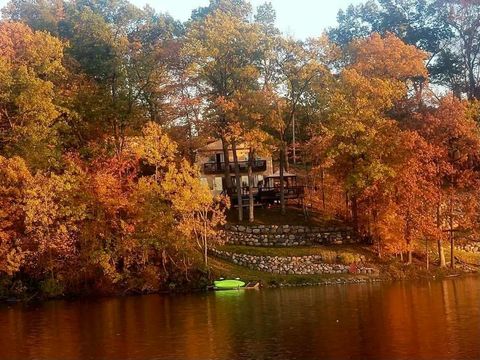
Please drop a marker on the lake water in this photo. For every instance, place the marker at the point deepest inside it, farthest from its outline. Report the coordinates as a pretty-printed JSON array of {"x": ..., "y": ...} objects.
[{"x": 402, "y": 320}]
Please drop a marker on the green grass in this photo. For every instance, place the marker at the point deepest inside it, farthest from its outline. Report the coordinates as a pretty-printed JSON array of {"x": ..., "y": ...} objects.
[
  {"x": 344, "y": 254},
  {"x": 389, "y": 266},
  {"x": 465, "y": 256}
]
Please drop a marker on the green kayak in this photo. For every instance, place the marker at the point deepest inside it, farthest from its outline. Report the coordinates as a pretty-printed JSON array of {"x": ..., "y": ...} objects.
[{"x": 228, "y": 284}]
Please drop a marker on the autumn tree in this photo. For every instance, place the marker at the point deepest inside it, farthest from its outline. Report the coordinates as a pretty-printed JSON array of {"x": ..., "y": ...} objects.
[
  {"x": 298, "y": 64},
  {"x": 222, "y": 49},
  {"x": 240, "y": 9},
  {"x": 14, "y": 180},
  {"x": 31, "y": 71},
  {"x": 451, "y": 129},
  {"x": 445, "y": 29},
  {"x": 249, "y": 114},
  {"x": 401, "y": 211},
  {"x": 197, "y": 214},
  {"x": 54, "y": 212},
  {"x": 358, "y": 128},
  {"x": 123, "y": 58}
]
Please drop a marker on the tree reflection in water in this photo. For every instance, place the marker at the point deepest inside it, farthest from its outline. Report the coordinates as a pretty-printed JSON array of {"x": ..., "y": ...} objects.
[{"x": 421, "y": 320}]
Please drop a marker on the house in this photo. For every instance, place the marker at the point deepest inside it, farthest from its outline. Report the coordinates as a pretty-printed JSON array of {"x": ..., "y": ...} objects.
[{"x": 210, "y": 159}]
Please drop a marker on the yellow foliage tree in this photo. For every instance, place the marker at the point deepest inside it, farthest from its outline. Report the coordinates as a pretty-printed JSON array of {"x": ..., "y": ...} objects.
[
  {"x": 31, "y": 66},
  {"x": 14, "y": 179}
]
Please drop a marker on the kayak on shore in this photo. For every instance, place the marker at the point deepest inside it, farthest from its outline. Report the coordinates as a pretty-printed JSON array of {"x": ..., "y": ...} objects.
[{"x": 228, "y": 284}]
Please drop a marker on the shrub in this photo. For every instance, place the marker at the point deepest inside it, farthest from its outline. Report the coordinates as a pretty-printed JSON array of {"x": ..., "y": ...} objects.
[{"x": 51, "y": 287}]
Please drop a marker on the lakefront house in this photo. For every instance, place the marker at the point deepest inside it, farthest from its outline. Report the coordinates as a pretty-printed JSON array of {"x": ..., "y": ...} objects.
[
  {"x": 266, "y": 182},
  {"x": 211, "y": 161}
]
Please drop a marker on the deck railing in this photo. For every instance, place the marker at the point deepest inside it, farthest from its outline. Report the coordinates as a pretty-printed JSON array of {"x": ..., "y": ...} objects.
[
  {"x": 291, "y": 192},
  {"x": 266, "y": 194},
  {"x": 219, "y": 167}
]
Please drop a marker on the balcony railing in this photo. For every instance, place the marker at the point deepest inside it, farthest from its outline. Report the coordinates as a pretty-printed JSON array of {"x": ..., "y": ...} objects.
[
  {"x": 265, "y": 195},
  {"x": 219, "y": 167}
]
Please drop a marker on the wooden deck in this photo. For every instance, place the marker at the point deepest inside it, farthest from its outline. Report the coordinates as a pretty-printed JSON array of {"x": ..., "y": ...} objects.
[{"x": 265, "y": 195}]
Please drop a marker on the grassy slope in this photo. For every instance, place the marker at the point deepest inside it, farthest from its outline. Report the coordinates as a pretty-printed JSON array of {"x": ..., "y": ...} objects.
[
  {"x": 293, "y": 216},
  {"x": 335, "y": 253},
  {"x": 390, "y": 268},
  {"x": 223, "y": 268}
]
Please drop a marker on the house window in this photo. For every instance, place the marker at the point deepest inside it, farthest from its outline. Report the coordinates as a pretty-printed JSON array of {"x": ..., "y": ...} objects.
[
  {"x": 244, "y": 180},
  {"x": 218, "y": 183}
]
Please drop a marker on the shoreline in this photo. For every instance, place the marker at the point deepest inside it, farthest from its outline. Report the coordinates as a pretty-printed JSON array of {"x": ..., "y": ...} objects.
[{"x": 289, "y": 281}]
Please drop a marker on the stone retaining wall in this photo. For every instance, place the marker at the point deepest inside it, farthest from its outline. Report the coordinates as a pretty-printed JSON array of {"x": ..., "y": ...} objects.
[
  {"x": 300, "y": 265},
  {"x": 285, "y": 235},
  {"x": 472, "y": 247}
]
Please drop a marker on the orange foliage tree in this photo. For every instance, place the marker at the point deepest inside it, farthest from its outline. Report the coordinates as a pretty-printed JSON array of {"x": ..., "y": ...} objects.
[{"x": 454, "y": 134}]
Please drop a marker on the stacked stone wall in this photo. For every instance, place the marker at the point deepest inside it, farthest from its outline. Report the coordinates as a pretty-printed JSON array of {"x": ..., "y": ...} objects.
[
  {"x": 299, "y": 265},
  {"x": 472, "y": 247},
  {"x": 286, "y": 235}
]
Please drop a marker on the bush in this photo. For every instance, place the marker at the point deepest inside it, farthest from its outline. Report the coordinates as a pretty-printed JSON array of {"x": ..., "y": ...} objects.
[
  {"x": 329, "y": 256},
  {"x": 347, "y": 258},
  {"x": 51, "y": 287},
  {"x": 5, "y": 284}
]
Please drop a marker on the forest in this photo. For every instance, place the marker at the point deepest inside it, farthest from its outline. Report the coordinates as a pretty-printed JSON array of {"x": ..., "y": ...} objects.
[{"x": 103, "y": 104}]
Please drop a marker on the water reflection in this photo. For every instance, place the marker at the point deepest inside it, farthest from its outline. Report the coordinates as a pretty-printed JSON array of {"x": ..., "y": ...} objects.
[{"x": 402, "y": 320}]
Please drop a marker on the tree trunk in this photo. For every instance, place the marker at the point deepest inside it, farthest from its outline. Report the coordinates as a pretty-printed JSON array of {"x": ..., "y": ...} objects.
[
  {"x": 441, "y": 254},
  {"x": 226, "y": 163},
  {"x": 427, "y": 259},
  {"x": 452, "y": 258},
  {"x": 450, "y": 222},
  {"x": 282, "y": 180},
  {"x": 237, "y": 181},
  {"x": 205, "y": 245},
  {"x": 251, "y": 215},
  {"x": 471, "y": 81},
  {"x": 355, "y": 214},
  {"x": 347, "y": 207},
  {"x": 286, "y": 164},
  {"x": 322, "y": 182},
  {"x": 294, "y": 145}
]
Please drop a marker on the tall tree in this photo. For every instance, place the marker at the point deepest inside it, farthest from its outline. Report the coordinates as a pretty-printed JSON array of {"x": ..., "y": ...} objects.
[
  {"x": 299, "y": 64},
  {"x": 30, "y": 113},
  {"x": 463, "y": 18},
  {"x": 444, "y": 29},
  {"x": 358, "y": 119},
  {"x": 454, "y": 134},
  {"x": 222, "y": 50}
]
